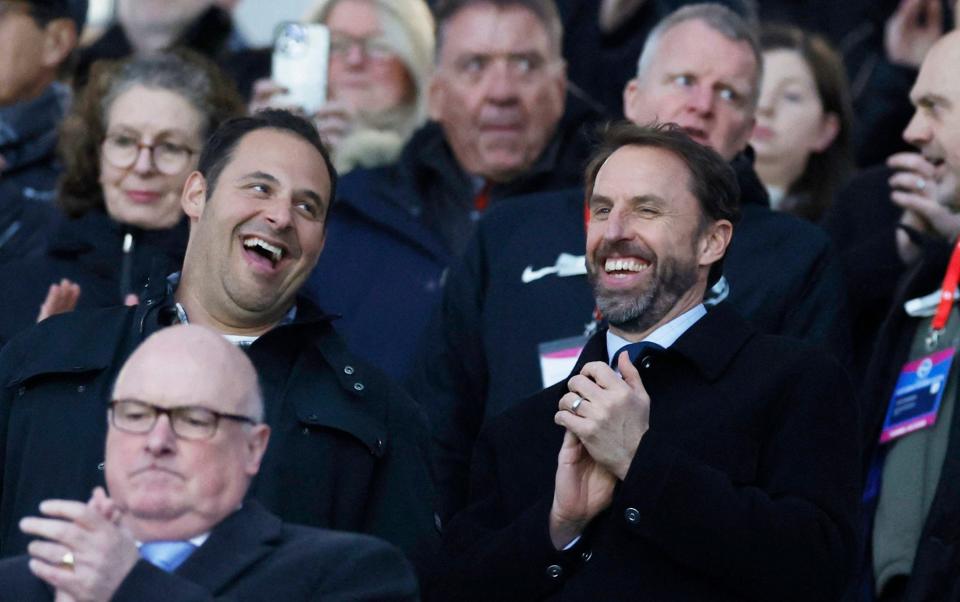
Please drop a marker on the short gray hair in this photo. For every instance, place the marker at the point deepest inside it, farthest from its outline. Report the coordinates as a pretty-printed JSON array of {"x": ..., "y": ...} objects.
[
  {"x": 717, "y": 17},
  {"x": 170, "y": 71}
]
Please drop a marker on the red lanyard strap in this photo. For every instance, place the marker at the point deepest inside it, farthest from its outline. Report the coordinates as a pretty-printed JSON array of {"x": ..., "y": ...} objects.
[{"x": 948, "y": 290}]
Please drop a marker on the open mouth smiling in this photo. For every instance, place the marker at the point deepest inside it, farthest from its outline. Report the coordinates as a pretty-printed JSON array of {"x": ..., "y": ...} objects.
[
  {"x": 624, "y": 266},
  {"x": 271, "y": 252}
]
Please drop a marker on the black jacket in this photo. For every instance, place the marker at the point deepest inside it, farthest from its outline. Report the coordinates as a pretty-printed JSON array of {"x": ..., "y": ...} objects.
[
  {"x": 479, "y": 354},
  {"x": 89, "y": 251},
  {"x": 394, "y": 230},
  {"x": 348, "y": 449},
  {"x": 744, "y": 488},
  {"x": 252, "y": 555}
]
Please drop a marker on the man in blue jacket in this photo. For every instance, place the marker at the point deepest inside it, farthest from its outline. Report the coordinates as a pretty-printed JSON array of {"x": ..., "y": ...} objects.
[{"x": 500, "y": 126}]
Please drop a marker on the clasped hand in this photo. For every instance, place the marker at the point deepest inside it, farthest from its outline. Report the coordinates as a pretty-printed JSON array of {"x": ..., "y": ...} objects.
[
  {"x": 601, "y": 439},
  {"x": 102, "y": 551}
]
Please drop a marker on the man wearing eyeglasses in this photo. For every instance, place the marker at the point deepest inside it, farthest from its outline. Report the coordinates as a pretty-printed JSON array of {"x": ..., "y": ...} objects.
[
  {"x": 180, "y": 454},
  {"x": 37, "y": 37},
  {"x": 349, "y": 450}
]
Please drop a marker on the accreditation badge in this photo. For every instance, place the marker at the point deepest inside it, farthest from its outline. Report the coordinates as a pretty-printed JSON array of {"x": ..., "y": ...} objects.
[
  {"x": 559, "y": 358},
  {"x": 917, "y": 394}
]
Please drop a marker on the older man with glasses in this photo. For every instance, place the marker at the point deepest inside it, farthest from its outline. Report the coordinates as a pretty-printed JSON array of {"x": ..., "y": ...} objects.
[{"x": 180, "y": 455}]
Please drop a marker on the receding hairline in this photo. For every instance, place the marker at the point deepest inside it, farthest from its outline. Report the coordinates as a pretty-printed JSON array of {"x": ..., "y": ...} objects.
[
  {"x": 715, "y": 17},
  {"x": 549, "y": 21}
]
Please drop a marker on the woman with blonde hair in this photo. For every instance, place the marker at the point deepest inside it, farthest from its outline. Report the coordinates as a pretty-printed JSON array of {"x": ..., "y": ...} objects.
[{"x": 381, "y": 56}]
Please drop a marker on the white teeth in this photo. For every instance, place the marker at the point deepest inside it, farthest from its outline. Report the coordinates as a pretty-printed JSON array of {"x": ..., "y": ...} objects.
[
  {"x": 276, "y": 252},
  {"x": 624, "y": 265}
]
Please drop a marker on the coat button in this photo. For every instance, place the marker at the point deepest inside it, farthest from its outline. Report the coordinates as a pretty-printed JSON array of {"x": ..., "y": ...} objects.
[
  {"x": 100, "y": 466},
  {"x": 586, "y": 556},
  {"x": 348, "y": 370},
  {"x": 21, "y": 391},
  {"x": 358, "y": 386},
  {"x": 632, "y": 515},
  {"x": 554, "y": 571},
  {"x": 646, "y": 363},
  {"x": 81, "y": 389}
]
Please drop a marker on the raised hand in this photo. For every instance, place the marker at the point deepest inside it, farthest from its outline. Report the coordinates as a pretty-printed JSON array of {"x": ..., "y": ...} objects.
[
  {"x": 614, "y": 416},
  {"x": 61, "y": 298},
  {"x": 582, "y": 489},
  {"x": 82, "y": 551}
]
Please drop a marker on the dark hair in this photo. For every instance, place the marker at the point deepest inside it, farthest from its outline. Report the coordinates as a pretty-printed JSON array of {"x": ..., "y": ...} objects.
[
  {"x": 712, "y": 181},
  {"x": 45, "y": 12},
  {"x": 181, "y": 71},
  {"x": 218, "y": 151},
  {"x": 544, "y": 10},
  {"x": 811, "y": 194}
]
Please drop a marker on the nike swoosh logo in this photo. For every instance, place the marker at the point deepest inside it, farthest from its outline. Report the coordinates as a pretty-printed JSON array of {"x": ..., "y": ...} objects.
[{"x": 530, "y": 274}]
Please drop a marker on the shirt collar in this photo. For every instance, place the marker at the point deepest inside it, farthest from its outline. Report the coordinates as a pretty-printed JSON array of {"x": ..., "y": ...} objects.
[
  {"x": 665, "y": 336},
  {"x": 173, "y": 280}
]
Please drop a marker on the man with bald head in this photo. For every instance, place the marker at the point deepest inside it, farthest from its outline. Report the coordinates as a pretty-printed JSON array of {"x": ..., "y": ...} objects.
[
  {"x": 185, "y": 438},
  {"x": 913, "y": 440}
]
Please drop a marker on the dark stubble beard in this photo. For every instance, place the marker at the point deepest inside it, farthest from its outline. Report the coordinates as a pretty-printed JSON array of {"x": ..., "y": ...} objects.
[{"x": 637, "y": 311}]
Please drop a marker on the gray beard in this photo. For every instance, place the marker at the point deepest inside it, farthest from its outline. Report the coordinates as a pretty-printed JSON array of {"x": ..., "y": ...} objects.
[{"x": 636, "y": 314}]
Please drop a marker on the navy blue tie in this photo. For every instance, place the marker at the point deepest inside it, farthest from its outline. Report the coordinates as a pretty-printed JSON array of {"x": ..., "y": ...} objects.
[{"x": 635, "y": 350}]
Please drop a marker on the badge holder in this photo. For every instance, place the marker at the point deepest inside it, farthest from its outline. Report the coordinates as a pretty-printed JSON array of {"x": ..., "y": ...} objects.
[{"x": 919, "y": 390}]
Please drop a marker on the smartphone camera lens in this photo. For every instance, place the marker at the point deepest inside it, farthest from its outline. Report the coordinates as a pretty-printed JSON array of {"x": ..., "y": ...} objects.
[{"x": 291, "y": 39}]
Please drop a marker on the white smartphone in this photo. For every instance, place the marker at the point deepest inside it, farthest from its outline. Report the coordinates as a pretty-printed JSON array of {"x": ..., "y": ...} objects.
[{"x": 301, "y": 53}]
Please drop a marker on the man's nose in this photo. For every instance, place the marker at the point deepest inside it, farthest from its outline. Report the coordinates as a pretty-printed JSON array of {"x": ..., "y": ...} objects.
[
  {"x": 918, "y": 131},
  {"x": 615, "y": 226},
  {"x": 161, "y": 439},
  {"x": 278, "y": 212},
  {"x": 700, "y": 99},
  {"x": 500, "y": 85}
]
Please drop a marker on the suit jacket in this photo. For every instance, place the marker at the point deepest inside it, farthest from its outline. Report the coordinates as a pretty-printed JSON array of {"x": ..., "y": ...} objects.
[
  {"x": 252, "y": 555},
  {"x": 745, "y": 486},
  {"x": 479, "y": 354},
  {"x": 348, "y": 450}
]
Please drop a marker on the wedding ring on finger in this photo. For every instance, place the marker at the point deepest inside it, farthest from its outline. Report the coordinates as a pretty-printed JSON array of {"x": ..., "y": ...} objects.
[
  {"x": 921, "y": 183},
  {"x": 576, "y": 405},
  {"x": 67, "y": 561}
]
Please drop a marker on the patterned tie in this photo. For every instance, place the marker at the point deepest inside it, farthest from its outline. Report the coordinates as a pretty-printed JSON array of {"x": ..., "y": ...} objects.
[
  {"x": 167, "y": 555},
  {"x": 635, "y": 350}
]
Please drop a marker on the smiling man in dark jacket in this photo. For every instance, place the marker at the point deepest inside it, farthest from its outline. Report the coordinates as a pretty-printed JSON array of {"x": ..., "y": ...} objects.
[
  {"x": 522, "y": 282},
  {"x": 688, "y": 456},
  {"x": 349, "y": 450}
]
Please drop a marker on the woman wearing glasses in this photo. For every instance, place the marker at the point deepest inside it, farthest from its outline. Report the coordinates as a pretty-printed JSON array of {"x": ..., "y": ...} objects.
[
  {"x": 381, "y": 55},
  {"x": 128, "y": 145}
]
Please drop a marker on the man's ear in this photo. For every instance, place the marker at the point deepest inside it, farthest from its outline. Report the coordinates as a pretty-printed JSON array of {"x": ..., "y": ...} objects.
[
  {"x": 257, "y": 440},
  {"x": 194, "y": 196},
  {"x": 59, "y": 40},
  {"x": 714, "y": 241},
  {"x": 631, "y": 94}
]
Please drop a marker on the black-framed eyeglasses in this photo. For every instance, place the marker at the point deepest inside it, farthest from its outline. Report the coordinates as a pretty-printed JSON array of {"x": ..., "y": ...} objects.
[
  {"x": 121, "y": 150},
  {"x": 187, "y": 422}
]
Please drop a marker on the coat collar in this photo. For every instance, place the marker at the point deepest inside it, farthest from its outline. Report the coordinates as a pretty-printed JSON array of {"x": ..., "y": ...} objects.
[
  {"x": 239, "y": 541},
  {"x": 710, "y": 344}
]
